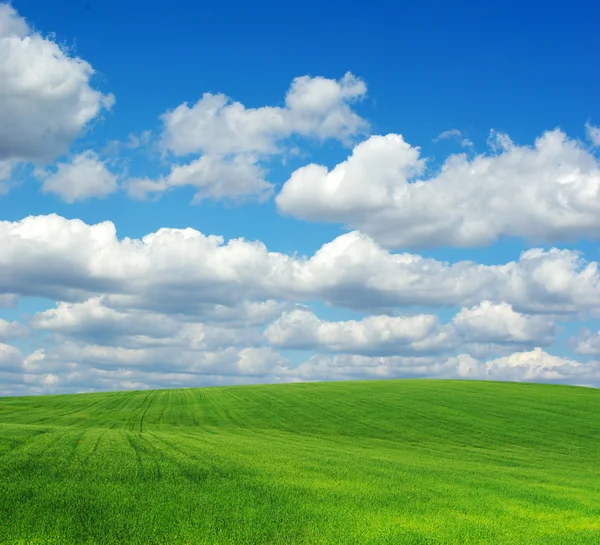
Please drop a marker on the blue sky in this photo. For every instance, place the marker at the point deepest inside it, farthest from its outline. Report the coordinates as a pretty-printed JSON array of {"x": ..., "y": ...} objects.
[{"x": 473, "y": 135}]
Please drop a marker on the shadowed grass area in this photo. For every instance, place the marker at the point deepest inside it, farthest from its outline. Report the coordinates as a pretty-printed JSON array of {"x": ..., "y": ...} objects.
[{"x": 409, "y": 461}]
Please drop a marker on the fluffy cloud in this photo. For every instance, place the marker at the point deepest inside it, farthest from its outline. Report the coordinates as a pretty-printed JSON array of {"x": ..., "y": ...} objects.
[
  {"x": 84, "y": 177},
  {"x": 587, "y": 343},
  {"x": 227, "y": 361},
  {"x": 233, "y": 140},
  {"x": 183, "y": 271},
  {"x": 354, "y": 272},
  {"x": 75, "y": 367},
  {"x": 547, "y": 192},
  {"x": 535, "y": 366},
  {"x": 92, "y": 322},
  {"x": 10, "y": 359},
  {"x": 316, "y": 107},
  {"x": 45, "y": 95},
  {"x": 99, "y": 348},
  {"x": 375, "y": 335},
  {"x": 480, "y": 329},
  {"x": 351, "y": 366},
  {"x": 10, "y": 330},
  {"x": 172, "y": 270},
  {"x": 235, "y": 178},
  {"x": 499, "y": 323}
]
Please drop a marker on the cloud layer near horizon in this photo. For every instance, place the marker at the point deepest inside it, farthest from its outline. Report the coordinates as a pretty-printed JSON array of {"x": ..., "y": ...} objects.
[{"x": 215, "y": 308}]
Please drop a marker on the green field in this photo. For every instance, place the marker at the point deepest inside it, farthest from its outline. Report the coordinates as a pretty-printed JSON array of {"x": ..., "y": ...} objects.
[{"x": 421, "y": 461}]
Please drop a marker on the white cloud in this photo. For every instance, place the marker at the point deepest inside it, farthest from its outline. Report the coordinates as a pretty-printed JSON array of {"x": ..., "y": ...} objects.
[
  {"x": 499, "y": 323},
  {"x": 593, "y": 133},
  {"x": 92, "y": 319},
  {"x": 183, "y": 271},
  {"x": 538, "y": 365},
  {"x": 353, "y": 271},
  {"x": 454, "y": 134},
  {"x": 10, "y": 330},
  {"x": 546, "y": 192},
  {"x": 92, "y": 322},
  {"x": 320, "y": 107},
  {"x": 215, "y": 125},
  {"x": 350, "y": 366},
  {"x": 362, "y": 186},
  {"x": 187, "y": 299},
  {"x": 97, "y": 347},
  {"x": 445, "y": 135},
  {"x": 134, "y": 141},
  {"x": 84, "y": 177},
  {"x": 373, "y": 335},
  {"x": 45, "y": 95},
  {"x": 234, "y": 140},
  {"x": 88, "y": 366},
  {"x": 236, "y": 178},
  {"x": 11, "y": 360},
  {"x": 67, "y": 260},
  {"x": 587, "y": 343},
  {"x": 532, "y": 366},
  {"x": 483, "y": 329}
]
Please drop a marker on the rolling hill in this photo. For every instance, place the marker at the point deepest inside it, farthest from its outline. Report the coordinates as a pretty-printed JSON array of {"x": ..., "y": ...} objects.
[{"x": 407, "y": 461}]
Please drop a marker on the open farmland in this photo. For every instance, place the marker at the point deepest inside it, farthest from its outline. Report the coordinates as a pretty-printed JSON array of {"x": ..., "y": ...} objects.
[{"x": 420, "y": 461}]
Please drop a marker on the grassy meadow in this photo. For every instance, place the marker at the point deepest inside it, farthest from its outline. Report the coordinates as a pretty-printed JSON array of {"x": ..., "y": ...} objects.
[{"x": 407, "y": 461}]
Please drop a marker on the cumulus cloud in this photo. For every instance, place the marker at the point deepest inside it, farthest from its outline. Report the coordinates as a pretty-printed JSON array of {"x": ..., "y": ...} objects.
[
  {"x": 301, "y": 329},
  {"x": 353, "y": 271},
  {"x": 73, "y": 366},
  {"x": 537, "y": 365},
  {"x": 227, "y": 361},
  {"x": 10, "y": 330},
  {"x": 183, "y": 271},
  {"x": 314, "y": 106},
  {"x": 235, "y": 141},
  {"x": 177, "y": 302},
  {"x": 46, "y": 99},
  {"x": 587, "y": 343},
  {"x": 547, "y": 192},
  {"x": 11, "y": 359},
  {"x": 84, "y": 176},
  {"x": 481, "y": 329},
  {"x": 499, "y": 323},
  {"x": 92, "y": 322},
  {"x": 531, "y": 366},
  {"x": 235, "y": 178},
  {"x": 77, "y": 367},
  {"x": 352, "y": 366}
]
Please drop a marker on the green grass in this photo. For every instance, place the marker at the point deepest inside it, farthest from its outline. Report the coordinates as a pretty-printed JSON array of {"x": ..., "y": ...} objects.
[{"x": 419, "y": 461}]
